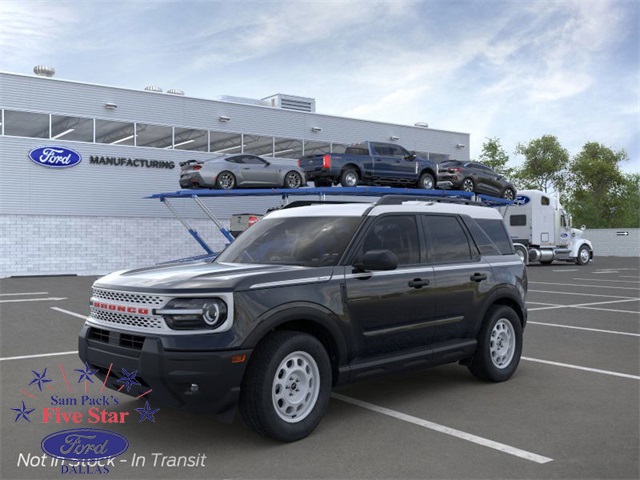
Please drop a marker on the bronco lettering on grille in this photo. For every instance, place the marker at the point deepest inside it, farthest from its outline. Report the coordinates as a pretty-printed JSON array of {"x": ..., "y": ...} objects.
[{"x": 120, "y": 308}]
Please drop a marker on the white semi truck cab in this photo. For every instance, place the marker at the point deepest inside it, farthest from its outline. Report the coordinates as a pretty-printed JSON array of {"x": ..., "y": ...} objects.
[{"x": 541, "y": 230}]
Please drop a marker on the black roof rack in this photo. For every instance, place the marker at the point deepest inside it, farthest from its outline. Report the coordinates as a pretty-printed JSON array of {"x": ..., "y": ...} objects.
[{"x": 399, "y": 199}]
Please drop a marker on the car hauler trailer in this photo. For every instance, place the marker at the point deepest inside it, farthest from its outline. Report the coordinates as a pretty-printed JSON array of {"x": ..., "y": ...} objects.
[
  {"x": 320, "y": 193},
  {"x": 541, "y": 230}
]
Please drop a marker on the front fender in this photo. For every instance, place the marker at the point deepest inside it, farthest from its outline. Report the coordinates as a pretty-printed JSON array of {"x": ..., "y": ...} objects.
[
  {"x": 575, "y": 246},
  {"x": 305, "y": 313}
]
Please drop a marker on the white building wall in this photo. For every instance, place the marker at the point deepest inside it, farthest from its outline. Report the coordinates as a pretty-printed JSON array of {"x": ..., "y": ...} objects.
[
  {"x": 611, "y": 242},
  {"x": 56, "y": 245}
]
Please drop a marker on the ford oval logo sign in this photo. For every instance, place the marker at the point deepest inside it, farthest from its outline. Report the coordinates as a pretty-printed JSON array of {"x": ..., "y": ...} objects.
[
  {"x": 55, "y": 157},
  {"x": 84, "y": 444},
  {"x": 521, "y": 200}
]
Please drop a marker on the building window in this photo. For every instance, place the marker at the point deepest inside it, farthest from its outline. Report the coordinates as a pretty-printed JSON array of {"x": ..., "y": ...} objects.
[
  {"x": 191, "y": 139},
  {"x": 72, "y": 128},
  {"x": 258, "y": 145},
  {"x": 26, "y": 124},
  {"x": 115, "y": 133},
  {"x": 155, "y": 136},
  {"x": 287, "y": 148},
  {"x": 225, "y": 142}
]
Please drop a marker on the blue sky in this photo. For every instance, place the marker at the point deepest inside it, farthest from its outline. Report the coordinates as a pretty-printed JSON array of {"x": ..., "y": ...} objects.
[{"x": 514, "y": 70}]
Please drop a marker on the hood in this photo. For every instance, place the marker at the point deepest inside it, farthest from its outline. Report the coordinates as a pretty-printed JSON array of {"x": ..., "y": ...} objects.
[{"x": 195, "y": 277}]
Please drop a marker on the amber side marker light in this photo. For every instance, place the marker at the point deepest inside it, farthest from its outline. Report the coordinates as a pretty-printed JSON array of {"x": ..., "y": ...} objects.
[{"x": 238, "y": 359}]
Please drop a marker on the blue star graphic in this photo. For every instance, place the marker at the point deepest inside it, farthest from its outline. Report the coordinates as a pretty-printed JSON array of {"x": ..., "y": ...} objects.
[
  {"x": 24, "y": 413},
  {"x": 86, "y": 373},
  {"x": 146, "y": 412},
  {"x": 39, "y": 378},
  {"x": 128, "y": 379}
]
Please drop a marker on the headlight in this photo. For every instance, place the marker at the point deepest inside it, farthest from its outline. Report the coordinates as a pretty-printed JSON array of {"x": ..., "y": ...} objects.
[{"x": 194, "y": 313}]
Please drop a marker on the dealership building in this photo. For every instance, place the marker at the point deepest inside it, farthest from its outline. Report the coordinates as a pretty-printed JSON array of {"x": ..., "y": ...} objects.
[{"x": 88, "y": 215}]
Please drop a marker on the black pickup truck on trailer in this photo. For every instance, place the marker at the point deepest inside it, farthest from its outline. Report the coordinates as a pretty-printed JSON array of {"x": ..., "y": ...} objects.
[{"x": 371, "y": 163}]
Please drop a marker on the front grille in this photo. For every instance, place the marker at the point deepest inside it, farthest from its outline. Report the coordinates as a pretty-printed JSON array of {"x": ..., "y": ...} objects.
[
  {"x": 131, "y": 341},
  {"x": 99, "y": 335},
  {"x": 124, "y": 297},
  {"x": 138, "y": 321}
]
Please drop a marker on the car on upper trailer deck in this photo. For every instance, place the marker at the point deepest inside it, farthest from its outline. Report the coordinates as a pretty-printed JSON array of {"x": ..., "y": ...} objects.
[{"x": 240, "y": 170}]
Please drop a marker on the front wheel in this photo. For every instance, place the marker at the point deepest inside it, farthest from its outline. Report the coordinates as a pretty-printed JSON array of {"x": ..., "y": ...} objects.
[
  {"x": 349, "y": 178},
  {"x": 499, "y": 345},
  {"x": 583, "y": 255},
  {"x": 508, "y": 194},
  {"x": 285, "y": 391},
  {"x": 292, "y": 180},
  {"x": 426, "y": 182}
]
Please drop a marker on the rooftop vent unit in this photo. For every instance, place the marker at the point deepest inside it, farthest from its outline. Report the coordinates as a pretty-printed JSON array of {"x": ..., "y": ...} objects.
[
  {"x": 291, "y": 102},
  {"x": 173, "y": 91},
  {"x": 44, "y": 71},
  {"x": 153, "y": 88}
]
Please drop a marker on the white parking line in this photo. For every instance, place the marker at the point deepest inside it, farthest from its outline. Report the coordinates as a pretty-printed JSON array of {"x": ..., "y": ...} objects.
[
  {"x": 578, "y": 367},
  {"x": 637, "y": 289},
  {"x": 39, "y": 355},
  {"x": 73, "y": 314},
  {"x": 588, "y": 305},
  {"x": 583, "y": 294},
  {"x": 584, "y": 328},
  {"x": 628, "y": 276},
  {"x": 24, "y": 293},
  {"x": 609, "y": 310},
  {"x": 605, "y": 280},
  {"x": 447, "y": 430},
  {"x": 16, "y": 300},
  {"x": 569, "y": 270}
]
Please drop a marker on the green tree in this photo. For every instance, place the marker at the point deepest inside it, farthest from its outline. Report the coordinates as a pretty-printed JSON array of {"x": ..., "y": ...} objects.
[
  {"x": 545, "y": 164},
  {"x": 493, "y": 155},
  {"x": 599, "y": 194}
]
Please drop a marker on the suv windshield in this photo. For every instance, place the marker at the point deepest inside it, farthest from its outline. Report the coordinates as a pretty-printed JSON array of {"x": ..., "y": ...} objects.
[{"x": 304, "y": 241}]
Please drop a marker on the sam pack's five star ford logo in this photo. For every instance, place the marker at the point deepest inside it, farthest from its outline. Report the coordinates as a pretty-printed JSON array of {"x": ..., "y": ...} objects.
[{"x": 63, "y": 406}]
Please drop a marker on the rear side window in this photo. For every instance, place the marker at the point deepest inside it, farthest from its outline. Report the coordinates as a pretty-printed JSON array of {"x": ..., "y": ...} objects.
[
  {"x": 497, "y": 232},
  {"x": 446, "y": 239}
]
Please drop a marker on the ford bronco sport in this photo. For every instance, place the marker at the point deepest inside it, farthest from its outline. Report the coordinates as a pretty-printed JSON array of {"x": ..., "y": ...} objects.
[{"x": 309, "y": 298}]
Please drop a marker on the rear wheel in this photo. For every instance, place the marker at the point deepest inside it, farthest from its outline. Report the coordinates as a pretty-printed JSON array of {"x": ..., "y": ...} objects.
[
  {"x": 468, "y": 185},
  {"x": 426, "y": 182},
  {"x": 499, "y": 345},
  {"x": 349, "y": 178},
  {"x": 226, "y": 180},
  {"x": 285, "y": 391},
  {"x": 292, "y": 180}
]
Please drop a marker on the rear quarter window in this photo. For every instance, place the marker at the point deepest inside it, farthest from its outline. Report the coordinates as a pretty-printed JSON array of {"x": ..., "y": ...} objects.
[{"x": 497, "y": 232}]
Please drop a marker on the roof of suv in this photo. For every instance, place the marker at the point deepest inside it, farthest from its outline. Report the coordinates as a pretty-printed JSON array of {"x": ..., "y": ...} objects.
[{"x": 358, "y": 209}]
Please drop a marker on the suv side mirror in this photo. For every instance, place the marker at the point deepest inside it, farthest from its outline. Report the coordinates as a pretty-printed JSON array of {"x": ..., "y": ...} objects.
[
  {"x": 378, "y": 260},
  {"x": 411, "y": 156}
]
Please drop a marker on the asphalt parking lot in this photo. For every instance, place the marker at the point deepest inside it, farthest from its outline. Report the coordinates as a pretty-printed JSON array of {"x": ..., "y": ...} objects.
[{"x": 571, "y": 411}]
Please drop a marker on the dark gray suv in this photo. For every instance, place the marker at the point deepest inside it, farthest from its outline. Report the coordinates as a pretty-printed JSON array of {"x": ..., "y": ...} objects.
[{"x": 313, "y": 297}]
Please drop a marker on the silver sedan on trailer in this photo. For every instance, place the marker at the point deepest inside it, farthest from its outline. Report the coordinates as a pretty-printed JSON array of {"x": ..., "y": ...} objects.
[{"x": 240, "y": 170}]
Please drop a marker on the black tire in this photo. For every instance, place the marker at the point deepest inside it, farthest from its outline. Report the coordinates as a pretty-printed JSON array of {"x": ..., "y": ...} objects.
[
  {"x": 499, "y": 345},
  {"x": 546, "y": 262},
  {"x": 522, "y": 252},
  {"x": 468, "y": 185},
  {"x": 349, "y": 178},
  {"x": 225, "y": 180},
  {"x": 584, "y": 255},
  {"x": 292, "y": 180},
  {"x": 262, "y": 405},
  {"x": 508, "y": 194},
  {"x": 426, "y": 182}
]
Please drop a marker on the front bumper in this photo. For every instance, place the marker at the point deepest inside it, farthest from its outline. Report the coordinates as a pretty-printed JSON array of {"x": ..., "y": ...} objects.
[{"x": 168, "y": 375}]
